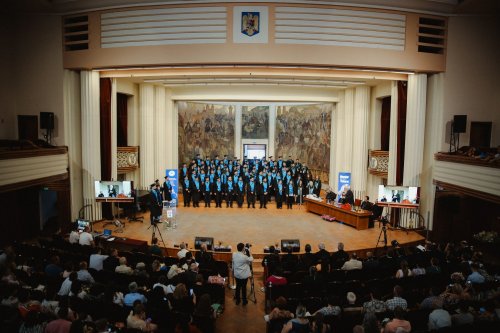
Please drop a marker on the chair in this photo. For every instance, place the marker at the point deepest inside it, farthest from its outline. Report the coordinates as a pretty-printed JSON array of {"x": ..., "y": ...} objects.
[
  {"x": 296, "y": 290},
  {"x": 336, "y": 275}
]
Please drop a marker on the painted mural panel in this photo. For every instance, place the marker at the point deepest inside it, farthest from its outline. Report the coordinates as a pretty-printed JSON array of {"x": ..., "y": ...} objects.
[
  {"x": 255, "y": 122},
  {"x": 207, "y": 129},
  {"x": 303, "y": 132}
]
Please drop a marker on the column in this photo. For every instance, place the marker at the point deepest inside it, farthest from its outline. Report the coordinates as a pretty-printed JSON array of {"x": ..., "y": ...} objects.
[
  {"x": 338, "y": 137},
  {"x": 170, "y": 124},
  {"x": 272, "y": 130},
  {"x": 72, "y": 136},
  {"x": 333, "y": 148},
  {"x": 160, "y": 134},
  {"x": 114, "y": 129},
  {"x": 237, "y": 131},
  {"x": 348, "y": 130},
  {"x": 359, "y": 136},
  {"x": 146, "y": 135},
  {"x": 91, "y": 151},
  {"x": 393, "y": 138},
  {"x": 415, "y": 129}
]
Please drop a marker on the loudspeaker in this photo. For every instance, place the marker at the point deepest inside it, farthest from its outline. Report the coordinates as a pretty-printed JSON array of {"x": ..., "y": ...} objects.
[
  {"x": 459, "y": 123},
  {"x": 293, "y": 243},
  {"x": 47, "y": 120},
  {"x": 208, "y": 240}
]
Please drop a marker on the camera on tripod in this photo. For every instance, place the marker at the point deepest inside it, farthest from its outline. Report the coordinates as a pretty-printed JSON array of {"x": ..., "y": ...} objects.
[
  {"x": 384, "y": 221},
  {"x": 248, "y": 246}
]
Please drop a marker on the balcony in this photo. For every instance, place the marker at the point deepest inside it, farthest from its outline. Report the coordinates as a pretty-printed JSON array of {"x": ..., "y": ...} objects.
[
  {"x": 24, "y": 165},
  {"x": 378, "y": 163}
]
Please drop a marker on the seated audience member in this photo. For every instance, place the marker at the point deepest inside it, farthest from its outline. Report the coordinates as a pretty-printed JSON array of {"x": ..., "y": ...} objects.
[
  {"x": 463, "y": 315},
  {"x": 181, "y": 301},
  {"x": 418, "y": 270},
  {"x": 86, "y": 238},
  {"x": 289, "y": 261},
  {"x": 54, "y": 269},
  {"x": 74, "y": 235},
  {"x": 183, "y": 250},
  {"x": 352, "y": 304},
  {"x": 453, "y": 294},
  {"x": 174, "y": 271},
  {"x": 110, "y": 263},
  {"x": 298, "y": 324},
  {"x": 430, "y": 299},
  {"x": 404, "y": 271},
  {"x": 156, "y": 266},
  {"x": 32, "y": 323},
  {"x": 60, "y": 325},
  {"x": 83, "y": 273},
  {"x": 314, "y": 279},
  {"x": 331, "y": 309},
  {"x": 434, "y": 268},
  {"x": 134, "y": 295},
  {"x": 370, "y": 264},
  {"x": 140, "y": 270},
  {"x": 374, "y": 304},
  {"x": 318, "y": 325},
  {"x": 307, "y": 259},
  {"x": 123, "y": 268},
  {"x": 154, "y": 248},
  {"x": 204, "y": 315},
  {"x": 340, "y": 257},
  {"x": 137, "y": 319},
  {"x": 438, "y": 318},
  {"x": 66, "y": 285},
  {"x": 277, "y": 279},
  {"x": 203, "y": 257},
  {"x": 68, "y": 268},
  {"x": 186, "y": 262},
  {"x": 352, "y": 263},
  {"x": 96, "y": 260},
  {"x": 323, "y": 258},
  {"x": 371, "y": 323},
  {"x": 475, "y": 276},
  {"x": 398, "y": 323},
  {"x": 280, "y": 313},
  {"x": 163, "y": 283},
  {"x": 271, "y": 260},
  {"x": 397, "y": 300}
]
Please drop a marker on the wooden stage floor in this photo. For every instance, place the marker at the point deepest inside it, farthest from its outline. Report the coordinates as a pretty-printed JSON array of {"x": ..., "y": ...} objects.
[{"x": 261, "y": 227}]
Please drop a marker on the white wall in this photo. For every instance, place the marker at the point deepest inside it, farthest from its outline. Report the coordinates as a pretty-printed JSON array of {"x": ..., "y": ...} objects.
[
  {"x": 34, "y": 70},
  {"x": 471, "y": 81}
]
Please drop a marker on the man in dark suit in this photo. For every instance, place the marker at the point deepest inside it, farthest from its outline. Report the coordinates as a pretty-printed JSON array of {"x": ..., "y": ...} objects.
[
  {"x": 349, "y": 196},
  {"x": 186, "y": 191},
  {"x": 207, "y": 192},
  {"x": 240, "y": 191},
  {"x": 263, "y": 192},
  {"x": 251, "y": 192},
  {"x": 366, "y": 204},
  {"x": 317, "y": 186},
  {"x": 280, "y": 194},
  {"x": 167, "y": 189},
  {"x": 196, "y": 191},
  {"x": 229, "y": 189},
  {"x": 218, "y": 191},
  {"x": 156, "y": 202}
]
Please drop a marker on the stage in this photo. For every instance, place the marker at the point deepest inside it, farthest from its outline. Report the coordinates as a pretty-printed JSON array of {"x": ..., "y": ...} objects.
[{"x": 261, "y": 228}]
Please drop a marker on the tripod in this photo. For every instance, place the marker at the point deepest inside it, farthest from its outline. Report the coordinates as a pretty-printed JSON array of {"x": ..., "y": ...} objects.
[
  {"x": 252, "y": 287},
  {"x": 384, "y": 232},
  {"x": 154, "y": 227}
]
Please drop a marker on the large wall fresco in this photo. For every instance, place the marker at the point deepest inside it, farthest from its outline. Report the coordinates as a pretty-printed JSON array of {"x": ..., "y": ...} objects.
[
  {"x": 255, "y": 122},
  {"x": 303, "y": 132},
  {"x": 207, "y": 129}
]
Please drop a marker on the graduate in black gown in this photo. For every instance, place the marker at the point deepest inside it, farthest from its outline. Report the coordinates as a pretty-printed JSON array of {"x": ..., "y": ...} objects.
[
  {"x": 207, "y": 192},
  {"x": 229, "y": 190},
  {"x": 240, "y": 192},
  {"x": 218, "y": 191},
  {"x": 186, "y": 191},
  {"x": 251, "y": 192},
  {"x": 196, "y": 192},
  {"x": 263, "y": 192},
  {"x": 167, "y": 189},
  {"x": 290, "y": 194},
  {"x": 280, "y": 194}
]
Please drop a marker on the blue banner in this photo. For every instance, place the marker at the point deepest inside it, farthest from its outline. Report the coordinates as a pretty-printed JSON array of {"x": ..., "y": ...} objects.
[
  {"x": 344, "y": 180},
  {"x": 174, "y": 181}
]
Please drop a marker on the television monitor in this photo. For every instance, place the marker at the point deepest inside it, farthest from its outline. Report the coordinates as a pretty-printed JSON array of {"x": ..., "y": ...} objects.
[
  {"x": 82, "y": 224},
  {"x": 399, "y": 194},
  {"x": 199, "y": 240},
  {"x": 113, "y": 190}
]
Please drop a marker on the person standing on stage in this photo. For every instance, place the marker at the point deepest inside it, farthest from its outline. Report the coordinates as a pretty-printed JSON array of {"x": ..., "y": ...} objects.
[
  {"x": 242, "y": 261},
  {"x": 263, "y": 192},
  {"x": 186, "y": 191},
  {"x": 156, "y": 202},
  {"x": 196, "y": 191},
  {"x": 240, "y": 192},
  {"x": 218, "y": 190},
  {"x": 290, "y": 195},
  {"x": 300, "y": 192},
  {"x": 207, "y": 192},
  {"x": 251, "y": 191},
  {"x": 229, "y": 189},
  {"x": 280, "y": 194},
  {"x": 349, "y": 196},
  {"x": 317, "y": 186},
  {"x": 167, "y": 189}
]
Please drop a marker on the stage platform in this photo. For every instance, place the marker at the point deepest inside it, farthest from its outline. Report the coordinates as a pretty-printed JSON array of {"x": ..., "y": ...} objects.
[{"x": 261, "y": 228}]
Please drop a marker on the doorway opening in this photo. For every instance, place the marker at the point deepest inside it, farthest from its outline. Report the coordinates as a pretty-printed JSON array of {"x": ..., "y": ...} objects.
[{"x": 254, "y": 150}]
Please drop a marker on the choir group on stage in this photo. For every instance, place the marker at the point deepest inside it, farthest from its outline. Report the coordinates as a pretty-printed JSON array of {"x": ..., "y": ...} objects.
[{"x": 254, "y": 179}]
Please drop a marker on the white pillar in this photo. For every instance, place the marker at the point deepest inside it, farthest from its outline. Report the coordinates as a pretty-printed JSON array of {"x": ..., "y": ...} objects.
[
  {"x": 415, "y": 129},
  {"x": 338, "y": 137},
  {"x": 237, "y": 131},
  {"x": 359, "y": 136},
  {"x": 146, "y": 133},
  {"x": 348, "y": 130},
  {"x": 169, "y": 126},
  {"x": 333, "y": 148},
  {"x": 160, "y": 134},
  {"x": 433, "y": 129},
  {"x": 393, "y": 137},
  {"x": 72, "y": 136},
  {"x": 114, "y": 130},
  {"x": 91, "y": 145},
  {"x": 272, "y": 130}
]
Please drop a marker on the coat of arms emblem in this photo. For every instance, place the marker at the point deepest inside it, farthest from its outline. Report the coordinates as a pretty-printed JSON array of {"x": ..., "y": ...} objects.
[{"x": 250, "y": 23}]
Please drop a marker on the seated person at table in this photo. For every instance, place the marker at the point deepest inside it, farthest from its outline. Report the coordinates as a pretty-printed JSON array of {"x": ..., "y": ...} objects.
[{"x": 366, "y": 204}]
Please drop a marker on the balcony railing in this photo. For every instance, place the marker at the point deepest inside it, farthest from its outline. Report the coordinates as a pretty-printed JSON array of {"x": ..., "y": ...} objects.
[
  {"x": 456, "y": 158},
  {"x": 378, "y": 163}
]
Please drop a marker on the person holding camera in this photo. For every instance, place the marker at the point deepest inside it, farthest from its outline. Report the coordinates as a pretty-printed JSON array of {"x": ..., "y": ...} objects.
[{"x": 242, "y": 261}]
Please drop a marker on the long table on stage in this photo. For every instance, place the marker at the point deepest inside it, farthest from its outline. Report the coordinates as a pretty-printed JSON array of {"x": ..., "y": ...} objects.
[{"x": 359, "y": 220}]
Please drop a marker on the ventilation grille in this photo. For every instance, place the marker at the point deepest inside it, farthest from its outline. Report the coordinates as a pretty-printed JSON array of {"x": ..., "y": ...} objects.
[
  {"x": 164, "y": 26},
  {"x": 340, "y": 27},
  {"x": 76, "y": 33},
  {"x": 431, "y": 35}
]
